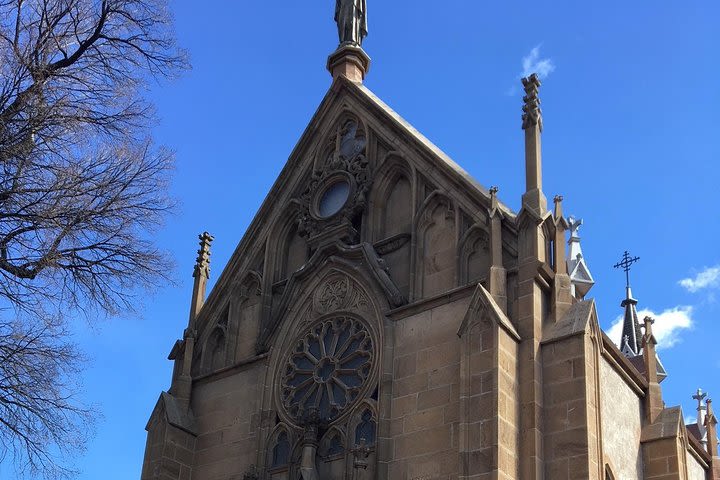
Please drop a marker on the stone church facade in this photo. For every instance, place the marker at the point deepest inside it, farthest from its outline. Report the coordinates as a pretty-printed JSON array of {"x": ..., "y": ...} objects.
[{"x": 387, "y": 317}]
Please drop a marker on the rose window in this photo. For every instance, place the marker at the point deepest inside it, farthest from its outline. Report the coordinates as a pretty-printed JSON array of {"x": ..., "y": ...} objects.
[{"x": 327, "y": 369}]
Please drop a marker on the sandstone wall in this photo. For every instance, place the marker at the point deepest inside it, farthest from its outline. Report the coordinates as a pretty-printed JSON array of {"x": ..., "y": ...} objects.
[
  {"x": 568, "y": 391},
  {"x": 695, "y": 470},
  {"x": 621, "y": 413},
  {"x": 425, "y": 394},
  {"x": 227, "y": 414}
]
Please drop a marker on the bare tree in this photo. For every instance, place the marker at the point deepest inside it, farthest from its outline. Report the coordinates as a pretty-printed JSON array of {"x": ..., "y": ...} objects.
[
  {"x": 39, "y": 418},
  {"x": 81, "y": 190}
]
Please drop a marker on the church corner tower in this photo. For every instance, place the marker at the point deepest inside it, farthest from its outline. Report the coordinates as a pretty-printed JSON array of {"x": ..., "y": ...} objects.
[{"x": 387, "y": 317}]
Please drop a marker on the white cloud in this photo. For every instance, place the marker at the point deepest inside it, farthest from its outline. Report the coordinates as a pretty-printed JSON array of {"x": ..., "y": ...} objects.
[
  {"x": 534, "y": 64},
  {"x": 708, "y": 278},
  {"x": 667, "y": 327}
]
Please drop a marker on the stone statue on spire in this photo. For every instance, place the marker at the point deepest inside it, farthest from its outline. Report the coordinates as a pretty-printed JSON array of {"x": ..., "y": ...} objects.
[{"x": 351, "y": 19}]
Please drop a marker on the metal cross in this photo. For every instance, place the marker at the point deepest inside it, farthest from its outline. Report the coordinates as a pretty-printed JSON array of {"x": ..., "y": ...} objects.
[{"x": 625, "y": 264}]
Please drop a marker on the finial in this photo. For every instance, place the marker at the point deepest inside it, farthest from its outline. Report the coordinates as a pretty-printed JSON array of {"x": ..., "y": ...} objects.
[
  {"x": 574, "y": 225},
  {"x": 202, "y": 263},
  {"x": 699, "y": 396},
  {"x": 532, "y": 115},
  {"x": 648, "y": 321},
  {"x": 558, "y": 206},
  {"x": 625, "y": 264},
  {"x": 493, "y": 197}
]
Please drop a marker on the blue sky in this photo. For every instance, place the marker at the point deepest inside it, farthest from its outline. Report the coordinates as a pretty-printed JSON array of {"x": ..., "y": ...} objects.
[{"x": 630, "y": 103}]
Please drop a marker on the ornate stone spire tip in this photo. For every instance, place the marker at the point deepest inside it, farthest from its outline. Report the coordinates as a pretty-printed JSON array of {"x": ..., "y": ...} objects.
[
  {"x": 532, "y": 115},
  {"x": 202, "y": 263}
]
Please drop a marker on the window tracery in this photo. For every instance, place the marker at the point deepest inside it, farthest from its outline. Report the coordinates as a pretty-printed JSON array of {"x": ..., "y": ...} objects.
[
  {"x": 281, "y": 451},
  {"x": 328, "y": 368}
]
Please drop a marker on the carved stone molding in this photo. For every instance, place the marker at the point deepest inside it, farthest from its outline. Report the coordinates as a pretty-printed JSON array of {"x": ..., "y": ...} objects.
[
  {"x": 346, "y": 168},
  {"x": 339, "y": 293},
  {"x": 328, "y": 370}
]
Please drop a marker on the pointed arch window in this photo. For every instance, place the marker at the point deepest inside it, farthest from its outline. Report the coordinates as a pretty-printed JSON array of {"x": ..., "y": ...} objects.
[
  {"x": 281, "y": 451},
  {"x": 365, "y": 429}
]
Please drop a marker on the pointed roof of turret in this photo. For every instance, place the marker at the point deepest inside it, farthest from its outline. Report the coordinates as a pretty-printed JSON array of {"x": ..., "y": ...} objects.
[
  {"x": 631, "y": 339},
  {"x": 580, "y": 277},
  {"x": 630, "y": 342}
]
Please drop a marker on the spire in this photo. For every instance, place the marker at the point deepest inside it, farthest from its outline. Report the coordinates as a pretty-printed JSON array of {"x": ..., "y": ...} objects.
[
  {"x": 532, "y": 123},
  {"x": 201, "y": 274},
  {"x": 630, "y": 342},
  {"x": 581, "y": 279}
]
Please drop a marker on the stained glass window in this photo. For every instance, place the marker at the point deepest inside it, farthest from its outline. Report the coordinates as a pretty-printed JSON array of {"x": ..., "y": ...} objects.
[
  {"x": 281, "y": 451},
  {"x": 335, "y": 446},
  {"x": 333, "y": 199},
  {"x": 327, "y": 368},
  {"x": 365, "y": 429}
]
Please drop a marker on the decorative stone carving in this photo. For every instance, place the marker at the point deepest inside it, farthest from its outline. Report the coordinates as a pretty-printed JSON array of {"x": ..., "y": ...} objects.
[
  {"x": 338, "y": 187},
  {"x": 392, "y": 244},
  {"x": 328, "y": 370},
  {"x": 339, "y": 293},
  {"x": 532, "y": 115}
]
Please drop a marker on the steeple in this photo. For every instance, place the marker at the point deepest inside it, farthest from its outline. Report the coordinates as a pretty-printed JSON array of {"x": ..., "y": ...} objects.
[
  {"x": 581, "y": 280},
  {"x": 630, "y": 342}
]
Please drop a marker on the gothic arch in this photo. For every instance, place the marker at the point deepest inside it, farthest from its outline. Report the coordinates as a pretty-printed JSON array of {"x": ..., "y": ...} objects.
[
  {"x": 245, "y": 315},
  {"x": 290, "y": 247},
  {"x": 327, "y": 146},
  {"x": 391, "y": 218},
  {"x": 391, "y": 200},
  {"x": 436, "y": 246},
  {"x": 215, "y": 351},
  {"x": 474, "y": 255},
  {"x": 363, "y": 424},
  {"x": 280, "y": 449},
  {"x": 332, "y": 444}
]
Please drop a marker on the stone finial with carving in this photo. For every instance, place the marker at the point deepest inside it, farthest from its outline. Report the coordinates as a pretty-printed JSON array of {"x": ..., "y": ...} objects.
[
  {"x": 648, "y": 338},
  {"x": 532, "y": 115},
  {"x": 202, "y": 264}
]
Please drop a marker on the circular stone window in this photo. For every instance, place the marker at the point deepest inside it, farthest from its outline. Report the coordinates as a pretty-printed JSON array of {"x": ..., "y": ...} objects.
[
  {"x": 328, "y": 369},
  {"x": 333, "y": 198}
]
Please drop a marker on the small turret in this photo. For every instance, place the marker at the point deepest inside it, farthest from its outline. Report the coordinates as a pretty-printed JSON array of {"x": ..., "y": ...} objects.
[{"x": 581, "y": 280}]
